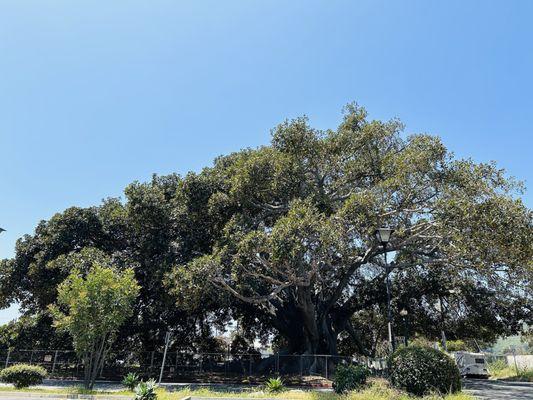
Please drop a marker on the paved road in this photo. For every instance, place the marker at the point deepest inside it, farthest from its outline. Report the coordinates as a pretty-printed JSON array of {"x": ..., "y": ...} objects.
[{"x": 499, "y": 390}]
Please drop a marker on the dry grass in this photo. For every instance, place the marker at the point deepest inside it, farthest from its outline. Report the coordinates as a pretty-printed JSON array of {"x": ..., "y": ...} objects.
[
  {"x": 377, "y": 389},
  {"x": 500, "y": 370}
]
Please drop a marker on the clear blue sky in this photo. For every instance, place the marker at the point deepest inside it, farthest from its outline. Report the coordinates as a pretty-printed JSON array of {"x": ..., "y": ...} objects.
[{"x": 97, "y": 94}]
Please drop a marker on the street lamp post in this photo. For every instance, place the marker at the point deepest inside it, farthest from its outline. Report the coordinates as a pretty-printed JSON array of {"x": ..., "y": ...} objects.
[
  {"x": 383, "y": 235},
  {"x": 443, "y": 319},
  {"x": 404, "y": 313}
]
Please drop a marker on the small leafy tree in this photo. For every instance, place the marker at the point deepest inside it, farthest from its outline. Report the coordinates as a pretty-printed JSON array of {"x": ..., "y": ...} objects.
[{"x": 91, "y": 306}]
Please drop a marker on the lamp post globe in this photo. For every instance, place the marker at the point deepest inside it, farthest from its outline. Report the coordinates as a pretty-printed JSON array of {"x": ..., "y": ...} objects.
[
  {"x": 383, "y": 235},
  {"x": 404, "y": 314}
]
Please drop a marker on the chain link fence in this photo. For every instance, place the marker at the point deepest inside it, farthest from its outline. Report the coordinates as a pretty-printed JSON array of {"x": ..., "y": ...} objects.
[{"x": 191, "y": 367}]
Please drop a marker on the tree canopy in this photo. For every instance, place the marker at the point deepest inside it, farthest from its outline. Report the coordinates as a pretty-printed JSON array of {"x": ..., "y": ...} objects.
[
  {"x": 299, "y": 247},
  {"x": 281, "y": 239}
]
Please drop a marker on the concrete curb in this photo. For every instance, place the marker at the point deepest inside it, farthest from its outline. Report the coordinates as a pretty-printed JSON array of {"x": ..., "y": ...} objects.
[{"x": 228, "y": 398}]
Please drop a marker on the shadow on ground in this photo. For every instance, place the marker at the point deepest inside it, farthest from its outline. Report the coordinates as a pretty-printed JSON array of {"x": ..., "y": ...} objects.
[{"x": 499, "y": 390}]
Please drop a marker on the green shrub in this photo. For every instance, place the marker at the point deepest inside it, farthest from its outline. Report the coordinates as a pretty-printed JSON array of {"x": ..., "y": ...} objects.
[
  {"x": 131, "y": 380},
  {"x": 23, "y": 375},
  {"x": 420, "y": 370},
  {"x": 274, "y": 385},
  {"x": 349, "y": 377},
  {"x": 457, "y": 345},
  {"x": 146, "y": 390}
]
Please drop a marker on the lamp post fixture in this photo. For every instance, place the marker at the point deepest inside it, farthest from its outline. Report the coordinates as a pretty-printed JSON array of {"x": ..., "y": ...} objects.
[
  {"x": 2, "y": 230},
  {"x": 383, "y": 235},
  {"x": 404, "y": 313}
]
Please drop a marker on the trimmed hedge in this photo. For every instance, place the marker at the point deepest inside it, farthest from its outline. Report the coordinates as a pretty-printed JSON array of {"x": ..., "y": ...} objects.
[
  {"x": 23, "y": 375},
  {"x": 349, "y": 377},
  {"x": 422, "y": 370}
]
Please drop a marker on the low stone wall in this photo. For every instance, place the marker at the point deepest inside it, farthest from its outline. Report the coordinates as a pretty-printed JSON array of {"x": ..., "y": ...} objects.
[{"x": 522, "y": 361}]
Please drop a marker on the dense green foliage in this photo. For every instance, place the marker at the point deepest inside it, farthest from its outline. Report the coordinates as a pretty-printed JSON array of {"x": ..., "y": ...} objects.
[
  {"x": 92, "y": 303},
  {"x": 349, "y": 377},
  {"x": 23, "y": 375},
  {"x": 280, "y": 238},
  {"x": 298, "y": 248},
  {"x": 421, "y": 370},
  {"x": 458, "y": 345}
]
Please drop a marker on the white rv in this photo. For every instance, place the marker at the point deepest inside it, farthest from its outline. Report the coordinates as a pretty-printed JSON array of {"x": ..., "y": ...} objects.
[{"x": 471, "y": 364}]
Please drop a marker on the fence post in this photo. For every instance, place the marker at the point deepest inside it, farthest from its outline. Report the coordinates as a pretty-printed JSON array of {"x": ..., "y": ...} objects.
[
  {"x": 226, "y": 356},
  {"x": 54, "y": 364},
  {"x": 167, "y": 341},
  {"x": 277, "y": 362},
  {"x": 515, "y": 363},
  {"x": 301, "y": 366},
  {"x": 31, "y": 357},
  {"x": 250, "y": 365},
  {"x": 327, "y": 367},
  {"x": 7, "y": 357},
  {"x": 152, "y": 360}
]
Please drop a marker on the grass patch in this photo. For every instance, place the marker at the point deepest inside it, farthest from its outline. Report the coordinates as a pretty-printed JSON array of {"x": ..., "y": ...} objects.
[
  {"x": 377, "y": 389},
  {"x": 500, "y": 370},
  {"x": 66, "y": 390}
]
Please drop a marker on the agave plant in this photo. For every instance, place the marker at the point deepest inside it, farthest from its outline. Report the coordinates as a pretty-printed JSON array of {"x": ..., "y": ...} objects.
[
  {"x": 274, "y": 385},
  {"x": 146, "y": 390},
  {"x": 131, "y": 380}
]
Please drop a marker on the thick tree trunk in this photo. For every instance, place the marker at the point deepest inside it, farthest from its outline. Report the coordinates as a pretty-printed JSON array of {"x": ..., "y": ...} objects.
[{"x": 305, "y": 330}]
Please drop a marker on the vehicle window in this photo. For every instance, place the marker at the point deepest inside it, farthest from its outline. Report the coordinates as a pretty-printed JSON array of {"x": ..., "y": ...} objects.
[{"x": 480, "y": 361}]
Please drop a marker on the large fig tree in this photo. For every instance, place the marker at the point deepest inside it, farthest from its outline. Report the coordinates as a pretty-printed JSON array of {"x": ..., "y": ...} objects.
[{"x": 294, "y": 225}]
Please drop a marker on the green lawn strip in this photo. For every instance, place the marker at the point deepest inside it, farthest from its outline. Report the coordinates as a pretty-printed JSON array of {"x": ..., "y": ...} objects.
[
  {"x": 377, "y": 390},
  {"x": 67, "y": 390}
]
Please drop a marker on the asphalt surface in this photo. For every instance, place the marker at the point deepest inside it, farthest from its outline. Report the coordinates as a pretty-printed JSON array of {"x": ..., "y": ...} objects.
[{"x": 499, "y": 390}]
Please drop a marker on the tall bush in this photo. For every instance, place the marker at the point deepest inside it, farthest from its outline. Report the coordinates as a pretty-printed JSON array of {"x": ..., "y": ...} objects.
[
  {"x": 420, "y": 370},
  {"x": 349, "y": 377}
]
